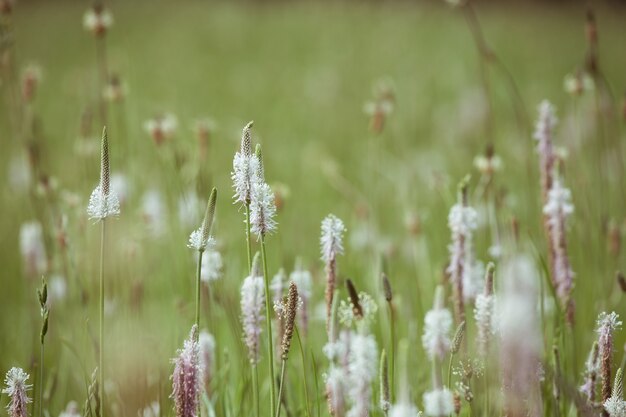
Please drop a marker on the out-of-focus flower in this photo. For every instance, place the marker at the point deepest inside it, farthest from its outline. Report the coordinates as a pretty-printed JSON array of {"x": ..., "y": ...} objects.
[
  {"x": 212, "y": 265},
  {"x": 16, "y": 388},
  {"x": 114, "y": 90},
  {"x": 438, "y": 402},
  {"x": 161, "y": 127},
  {"x": 33, "y": 249},
  {"x": 578, "y": 83},
  {"x": 31, "y": 77},
  {"x": 97, "y": 20},
  {"x": 154, "y": 212},
  {"x": 187, "y": 377}
]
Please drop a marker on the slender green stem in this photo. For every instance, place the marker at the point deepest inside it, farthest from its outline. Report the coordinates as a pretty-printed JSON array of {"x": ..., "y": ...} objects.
[
  {"x": 450, "y": 369},
  {"x": 280, "y": 389},
  {"x": 198, "y": 273},
  {"x": 255, "y": 389},
  {"x": 101, "y": 352},
  {"x": 270, "y": 343},
  {"x": 306, "y": 387},
  {"x": 392, "y": 356},
  {"x": 248, "y": 243},
  {"x": 41, "y": 351}
]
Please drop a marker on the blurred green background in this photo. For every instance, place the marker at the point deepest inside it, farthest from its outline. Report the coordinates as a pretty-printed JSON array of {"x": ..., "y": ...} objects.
[{"x": 303, "y": 72}]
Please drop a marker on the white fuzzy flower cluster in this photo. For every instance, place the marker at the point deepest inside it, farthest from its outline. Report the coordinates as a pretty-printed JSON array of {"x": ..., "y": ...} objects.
[
  {"x": 206, "y": 343},
  {"x": 545, "y": 124},
  {"x": 262, "y": 210},
  {"x": 615, "y": 406},
  {"x": 362, "y": 362},
  {"x": 121, "y": 187},
  {"x": 72, "y": 410},
  {"x": 16, "y": 388},
  {"x": 161, "y": 127},
  {"x": 244, "y": 175},
  {"x": 154, "y": 212},
  {"x": 485, "y": 320},
  {"x": 404, "y": 410},
  {"x": 33, "y": 249},
  {"x": 348, "y": 317},
  {"x": 331, "y": 240},
  {"x": 212, "y": 265},
  {"x": 97, "y": 20},
  {"x": 252, "y": 304},
  {"x": 437, "y": 328},
  {"x": 438, "y": 403},
  {"x": 103, "y": 205},
  {"x": 559, "y": 203},
  {"x": 198, "y": 242},
  {"x": 462, "y": 221}
]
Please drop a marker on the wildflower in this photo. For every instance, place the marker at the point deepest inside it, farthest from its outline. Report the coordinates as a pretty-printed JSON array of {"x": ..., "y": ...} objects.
[
  {"x": 303, "y": 280},
  {"x": 201, "y": 239},
  {"x": 31, "y": 77},
  {"x": 161, "y": 127},
  {"x": 187, "y": 377},
  {"x": 71, "y": 410},
  {"x": 97, "y": 20},
  {"x": 544, "y": 131},
  {"x": 114, "y": 91},
  {"x": 262, "y": 210},
  {"x": 289, "y": 318},
  {"x": 151, "y": 410},
  {"x": 557, "y": 210},
  {"x": 252, "y": 303},
  {"x": 212, "y": 265},
  {"x": 437, "y": 328},
  {"x": 438, "y": 402},
  {"x": 591, "y": 374},
  {"x": 154, "y": 212},
  {"x": 362, "y": 370},
  {"x": 335, "y": 390},
  {"x": 245, "y": 168},
  {"x": 16, "y": 388},
  {"x": 206, "y": 343},
  {"x": 331, "y": 241},
  {"x": 33, "y": 249},
  {"x": 462, "y": 221},
  {"x": 488, "y": 163},
  {"x": 203, "y": 129},
  {"x": 521, "y": 343},
  {"x": 578, "y": 83},
  {"x": 404, "y": 409},
  {"x": 360, "y": 312},
  {"x": 103, "y": 202},
  {"x": 616, "y": 406},
  {"x": 607, "y": 324},
  {"x": 121, "y": 187},
  {"x": 484, "y": 313}
]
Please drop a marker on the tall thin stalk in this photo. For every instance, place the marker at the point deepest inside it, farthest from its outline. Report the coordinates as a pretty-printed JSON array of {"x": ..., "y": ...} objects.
[
  {"x": 270, "y": 343},
  {"x": 101, "y": 351},
  {"x": 198, "y": 281},
  {"x": 248, "y": 242}
]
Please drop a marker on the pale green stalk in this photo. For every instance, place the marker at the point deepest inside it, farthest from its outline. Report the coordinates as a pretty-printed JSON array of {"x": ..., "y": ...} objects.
[
  {"x": 306, "y": 387},
  {"x": 198, "y": 273},
  {"x": 41, "y": 351},
  {"x": 280, "y": 388},
  {"x": 248, "y": 243},
  {"x": 101, "y": 385},
  {"x": 255, "y": 389},
  {"x": 268, "y": 321}
]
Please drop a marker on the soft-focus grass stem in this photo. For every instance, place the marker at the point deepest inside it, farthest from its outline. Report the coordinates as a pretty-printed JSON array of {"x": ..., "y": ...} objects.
[
  {"x": 280, "y": 388},
  {"x": 41, "y": 354},
  {"x": 304, "y": 374},
  {"x": 268, "y": 321},
  {"x": 248, "y": 243},
  {"x": 198, "y": 281},
  {"x": 255, "y": 389},
  {"x": 101, "y": 352},
  {"x": 392, "y": 358}
]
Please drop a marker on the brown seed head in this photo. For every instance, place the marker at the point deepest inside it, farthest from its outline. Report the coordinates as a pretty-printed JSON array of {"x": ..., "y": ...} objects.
[
  {"x": 290, "y": 319},
  {"x": 354, "y": 299}
]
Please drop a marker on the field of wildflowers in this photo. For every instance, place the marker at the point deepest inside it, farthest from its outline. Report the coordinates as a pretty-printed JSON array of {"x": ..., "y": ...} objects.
[{"x": 312, "y": 208}]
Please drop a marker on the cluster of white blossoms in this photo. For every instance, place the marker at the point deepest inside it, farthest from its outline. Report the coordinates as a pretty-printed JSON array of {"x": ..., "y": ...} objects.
[
  {"x": 250, "y": 186},
  {"x": 368, "y": 309},
  {"x": 33, "y": 249},
  {"x": 437, "y": 328},
  {"x": 331, "y": 240},
  {"x": 212, "y": 265},
  {"x": 363, "y": 358},
  {"x": 252, "y": 304},
  {"x": 102, "y": 205},
  {"x": 438, "y": 402}
]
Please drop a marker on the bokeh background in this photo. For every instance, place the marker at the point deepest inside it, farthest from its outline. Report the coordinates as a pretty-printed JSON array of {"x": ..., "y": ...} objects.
[{"x": 307, "y": 73}]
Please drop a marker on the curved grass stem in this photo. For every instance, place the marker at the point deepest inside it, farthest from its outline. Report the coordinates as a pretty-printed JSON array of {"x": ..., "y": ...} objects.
[{"x": 268, "y": 321}]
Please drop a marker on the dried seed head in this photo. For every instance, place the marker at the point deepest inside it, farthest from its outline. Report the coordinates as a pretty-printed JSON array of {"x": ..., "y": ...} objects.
[
  {"x": 621, "y": 280},
  {"x": 290, "y": 319},
  {"x": 387, "y": 288},
  {"x": 457, "y": 403},
  {"x": 357, "y": 310},
  {"x": 42, "y": 293},
  {"x": 489, "y": 278},
  {"x": 458, "y": 338}
]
